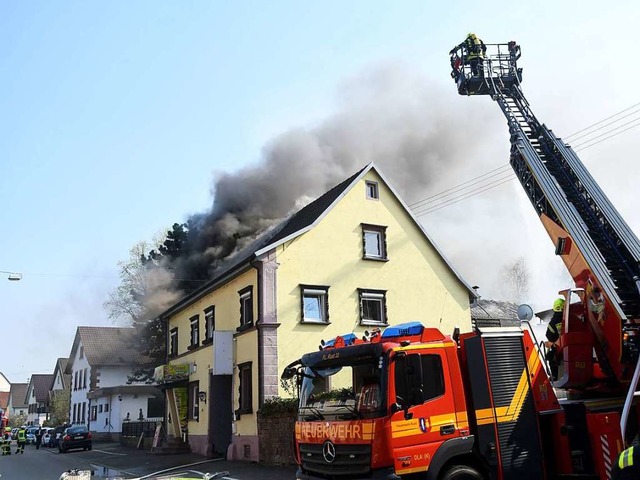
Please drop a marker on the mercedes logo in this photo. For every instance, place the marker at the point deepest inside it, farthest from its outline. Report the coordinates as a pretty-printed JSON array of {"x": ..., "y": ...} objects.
[{"x": 329, "y": 451}]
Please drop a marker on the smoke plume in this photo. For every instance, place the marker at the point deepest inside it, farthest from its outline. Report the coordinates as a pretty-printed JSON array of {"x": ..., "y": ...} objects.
[{"x": 388, "y": 115}]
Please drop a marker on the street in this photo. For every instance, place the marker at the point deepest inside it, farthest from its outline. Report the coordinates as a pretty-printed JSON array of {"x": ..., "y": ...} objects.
[{"x": 109, "y": 460}]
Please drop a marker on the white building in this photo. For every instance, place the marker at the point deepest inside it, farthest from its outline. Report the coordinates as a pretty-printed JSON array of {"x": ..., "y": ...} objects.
[
  {"x": 100, "y": 363},
  {"x": 17, "y": 400},
  {"x": 38, "y": 398}
]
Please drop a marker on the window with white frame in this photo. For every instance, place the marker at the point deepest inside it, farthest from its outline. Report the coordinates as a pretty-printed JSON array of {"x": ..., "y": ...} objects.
[
  {"x": 173, "y": 342},
  {"x": 372, "y": 190},
  {"x": 246, "y": 307},
  {"x": 373, "y": 307},
  {"x": 195, "y": 331},
  {"x": 194, "y": 405},
  {"x": 209, "y": 323},
  {"x": 374, "y": 242},
  {"x": 315, "y": 303}
]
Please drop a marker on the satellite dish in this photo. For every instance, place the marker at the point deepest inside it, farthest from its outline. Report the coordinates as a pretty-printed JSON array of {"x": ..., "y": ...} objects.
[{"x": 525, "y": 312}]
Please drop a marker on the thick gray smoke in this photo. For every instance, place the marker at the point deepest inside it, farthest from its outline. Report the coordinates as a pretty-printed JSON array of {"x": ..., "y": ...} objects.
[{"x": 389, "y": 115}]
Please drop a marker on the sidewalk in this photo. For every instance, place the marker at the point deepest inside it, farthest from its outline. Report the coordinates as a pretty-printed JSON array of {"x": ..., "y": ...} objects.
[{"x": 117, "y": 459}]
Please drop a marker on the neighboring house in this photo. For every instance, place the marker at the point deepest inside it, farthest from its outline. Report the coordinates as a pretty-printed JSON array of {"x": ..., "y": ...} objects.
[
  {"x": 354, "y": 259},
  {"x": 38, "y": 398},
  {"x": 4, "y": 404},
  {"x": 18, "y": 400},
  {"x": 59, "y": 392},
  {"x": 99, "y": 365},
  {"x": 5, "y": 388},
  {"x": 5, "y": 385},
  {"x": 494, "y": 313}
]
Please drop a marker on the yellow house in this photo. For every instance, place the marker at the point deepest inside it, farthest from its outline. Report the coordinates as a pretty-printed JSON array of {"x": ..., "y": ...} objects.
[{"x": 352, "y": 259}]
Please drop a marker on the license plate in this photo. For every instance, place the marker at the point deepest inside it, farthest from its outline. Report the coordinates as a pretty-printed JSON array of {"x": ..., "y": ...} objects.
[{"x": 78, "y": 437}]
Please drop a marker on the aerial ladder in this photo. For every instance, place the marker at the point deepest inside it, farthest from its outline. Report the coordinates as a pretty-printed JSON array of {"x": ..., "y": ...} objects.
[{"x": 600, "y": 337}]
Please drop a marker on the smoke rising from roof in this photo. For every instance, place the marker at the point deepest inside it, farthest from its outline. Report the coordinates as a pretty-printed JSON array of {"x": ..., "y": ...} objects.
[{"x": 389, "y": 115}]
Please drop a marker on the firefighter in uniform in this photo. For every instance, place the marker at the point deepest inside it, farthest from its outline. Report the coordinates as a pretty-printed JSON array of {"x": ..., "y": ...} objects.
[
  {"x": 7, "y": 440},
  {"x": 6, "y": 443},
  {"x": 553, "y": 335},
  {"x": 474, "y": 51},
  {"x": 628, "y": 465},
  {"x": 22, "y": 439}
]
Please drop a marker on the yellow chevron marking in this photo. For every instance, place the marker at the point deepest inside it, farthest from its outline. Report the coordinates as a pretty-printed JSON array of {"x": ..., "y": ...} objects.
[{"x": 502, "y": 414}]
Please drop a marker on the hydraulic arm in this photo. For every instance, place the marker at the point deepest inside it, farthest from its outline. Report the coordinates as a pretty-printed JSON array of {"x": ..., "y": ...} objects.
[{"x": 597, "y": 246}]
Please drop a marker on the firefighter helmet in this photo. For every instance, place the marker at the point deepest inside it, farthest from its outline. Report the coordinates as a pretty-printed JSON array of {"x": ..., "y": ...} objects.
[{"x": 558, "y": 305}]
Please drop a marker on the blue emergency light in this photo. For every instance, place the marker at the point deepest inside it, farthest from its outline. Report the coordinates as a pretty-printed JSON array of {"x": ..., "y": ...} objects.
[
  {"x": 349, "y": 339},
  {"x": 403, "y": 330}
]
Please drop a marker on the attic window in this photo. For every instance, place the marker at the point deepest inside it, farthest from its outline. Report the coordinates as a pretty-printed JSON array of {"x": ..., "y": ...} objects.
[
  {"x": 81, "y": 355},
  {"x": 374, "y": 242},
  {"x": 372, "y": 190}
]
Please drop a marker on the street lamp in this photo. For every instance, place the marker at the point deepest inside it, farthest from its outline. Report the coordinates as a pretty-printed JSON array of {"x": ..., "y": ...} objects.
[{"x": 13, "y": 276}]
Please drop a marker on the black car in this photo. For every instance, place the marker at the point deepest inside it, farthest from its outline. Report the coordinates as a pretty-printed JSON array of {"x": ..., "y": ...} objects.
[{"x": 75, "y": 437}]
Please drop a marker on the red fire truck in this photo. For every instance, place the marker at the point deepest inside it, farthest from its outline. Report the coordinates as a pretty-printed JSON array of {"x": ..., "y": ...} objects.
[{"x": 483, "y": 405}]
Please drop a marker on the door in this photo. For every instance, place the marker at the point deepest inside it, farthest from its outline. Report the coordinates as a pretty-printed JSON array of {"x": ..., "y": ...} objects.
[
  {"x": 220, "y": 414},
  {"x": 427, "y": 415}
]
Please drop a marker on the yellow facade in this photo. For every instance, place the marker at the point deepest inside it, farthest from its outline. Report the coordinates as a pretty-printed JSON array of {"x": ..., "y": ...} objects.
[
  {"x": 225, "y": 298},
  {"x": 418, "y": 285}
]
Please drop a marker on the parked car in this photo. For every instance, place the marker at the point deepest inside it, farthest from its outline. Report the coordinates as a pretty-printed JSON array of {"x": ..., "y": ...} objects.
[
  {"x": 47, "y": 436},
  {"x": 75, "y": 437},
  {"x": 14, "y": 433},
  {"x": 31, "y": 434}
]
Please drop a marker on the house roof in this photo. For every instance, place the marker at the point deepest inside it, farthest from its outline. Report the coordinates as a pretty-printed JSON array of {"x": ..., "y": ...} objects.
[
  {"x": 4, "y": 400},
  {"x": 494, "y": 313},
  {"x": 18, "y": 395},
  {"x": 293, "y": 226},
  {"x": 41, "y": 383},
  {"x": 61, "y": 365},
  {"x": 105, "y": 346}
]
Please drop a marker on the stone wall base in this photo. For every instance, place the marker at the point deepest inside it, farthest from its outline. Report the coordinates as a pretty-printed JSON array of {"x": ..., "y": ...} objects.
[{"x": 244, "y": 447}]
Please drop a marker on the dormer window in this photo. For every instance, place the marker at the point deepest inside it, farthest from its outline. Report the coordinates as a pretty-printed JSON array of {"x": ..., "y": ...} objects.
[{"x": 372, "y": 190}]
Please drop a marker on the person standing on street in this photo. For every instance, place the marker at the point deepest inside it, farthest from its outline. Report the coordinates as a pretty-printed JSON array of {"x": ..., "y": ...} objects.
[
  {"x": 22, "y": 439},
  {"x": 6, "y": 446},
  {"x": 38, "y": 438}
]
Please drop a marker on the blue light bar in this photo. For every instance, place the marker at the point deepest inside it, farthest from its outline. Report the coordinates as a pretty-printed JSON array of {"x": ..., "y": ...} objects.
[
  {"x": 349, "y": 339},
  {"x": 404, "y": 329}
]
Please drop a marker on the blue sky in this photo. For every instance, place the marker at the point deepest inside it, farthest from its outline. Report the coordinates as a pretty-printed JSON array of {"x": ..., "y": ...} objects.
[{"x": 115, "y": 118}]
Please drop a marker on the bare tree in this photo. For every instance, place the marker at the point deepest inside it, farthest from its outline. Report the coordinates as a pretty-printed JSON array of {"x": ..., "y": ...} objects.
[
  {"x": 126, "y": 301},
  {"x": 515, "y": 279}
]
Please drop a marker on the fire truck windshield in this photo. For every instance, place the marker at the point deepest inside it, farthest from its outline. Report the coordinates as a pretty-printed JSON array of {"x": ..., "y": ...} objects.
[{"x": 343, "y": 392}]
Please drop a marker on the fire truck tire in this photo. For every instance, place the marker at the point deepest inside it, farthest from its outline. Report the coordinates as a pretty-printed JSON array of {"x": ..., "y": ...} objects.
[{"x": 461, "y": 472}]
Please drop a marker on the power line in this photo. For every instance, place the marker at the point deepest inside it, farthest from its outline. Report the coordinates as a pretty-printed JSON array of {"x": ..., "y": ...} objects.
[
  {"x": 423, "y": 207},
  {"x": 603, "y": 120}
]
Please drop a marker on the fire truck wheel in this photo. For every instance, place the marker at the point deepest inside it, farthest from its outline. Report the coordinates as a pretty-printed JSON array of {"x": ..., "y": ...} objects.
[{"x": 462, "y": 472}]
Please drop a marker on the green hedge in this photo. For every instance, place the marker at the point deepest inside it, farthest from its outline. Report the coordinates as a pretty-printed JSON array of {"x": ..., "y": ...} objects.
[{"x": 278, "y": 406}]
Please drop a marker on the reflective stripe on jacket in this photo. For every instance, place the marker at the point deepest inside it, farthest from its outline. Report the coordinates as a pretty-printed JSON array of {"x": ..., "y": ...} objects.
[{"x": 626, "y": 459}]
